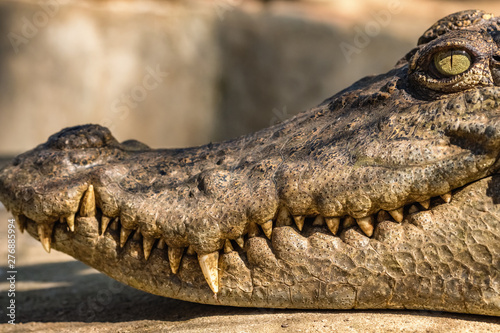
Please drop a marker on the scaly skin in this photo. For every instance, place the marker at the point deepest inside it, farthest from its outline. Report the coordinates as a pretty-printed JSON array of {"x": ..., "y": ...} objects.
[{"x": 214, "y": 224}]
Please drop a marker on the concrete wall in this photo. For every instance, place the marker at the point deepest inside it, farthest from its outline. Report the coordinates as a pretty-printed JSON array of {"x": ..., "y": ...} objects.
[
  {"x": 145, "y": 70},
  {"x": 180, "y": 73}
]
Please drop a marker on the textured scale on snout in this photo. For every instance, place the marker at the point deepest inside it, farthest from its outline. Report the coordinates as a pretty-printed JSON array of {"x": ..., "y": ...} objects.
[{"x": 383, "y": 196}]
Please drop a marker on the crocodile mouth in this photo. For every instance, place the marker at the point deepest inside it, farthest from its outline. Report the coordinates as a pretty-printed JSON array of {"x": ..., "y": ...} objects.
[{"x": 90, "y": 228}]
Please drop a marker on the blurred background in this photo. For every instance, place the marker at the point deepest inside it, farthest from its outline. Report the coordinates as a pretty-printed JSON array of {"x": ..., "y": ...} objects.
[{"x": 182, "y": 73}]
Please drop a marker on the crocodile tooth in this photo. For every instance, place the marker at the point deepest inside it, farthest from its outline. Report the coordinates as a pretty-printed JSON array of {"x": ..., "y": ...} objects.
[
  {"x": 426, "y": 204},
  {"x": 413, "y": 209},
  {"x": 228, "y": 247},
  {"x": 253, "y": 230},
  {"x": 88, "y": 203},
  {"x": 161, "y": 244},
  {"x": 397, "y": 214},
  {"x": 124, "y": 233},
  {"x": 209, "y": 266},
  {"x": 71, "y": 222},
  {"x": 382, "y": 216},
  {"x": 45, "y": 234},
  {"x": 283, "y": 218},
  {"x": 21, "y": 222},
  {"x": 348, "y": 222},
  {"x": 319, "y": 221},
  {"x": 366, "y": 224},
  {"x": 147, "y": 245},
  {"x": 190, "y": 251},
  {"x": 333, "y": 224},
  {"x": 104, "y": 223},
  {"x": 174, "y": 257},
  {"x": 446, "y": 197},
  {"x": 240, "y": 241},
  {"x": 267, "y": 228},
  {"x": 299, "y": 221}
]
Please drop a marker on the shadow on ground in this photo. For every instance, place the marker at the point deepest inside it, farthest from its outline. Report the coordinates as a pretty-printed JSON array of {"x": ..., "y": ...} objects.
[{"x": 72, "y": 292}]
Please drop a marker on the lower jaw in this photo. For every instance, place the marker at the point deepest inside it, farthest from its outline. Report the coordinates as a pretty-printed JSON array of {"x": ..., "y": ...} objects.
[{"x": 435, "y": 260}]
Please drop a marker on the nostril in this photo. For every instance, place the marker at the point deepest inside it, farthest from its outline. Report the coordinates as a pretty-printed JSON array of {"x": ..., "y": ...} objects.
[{"x": 85, "y": 136}]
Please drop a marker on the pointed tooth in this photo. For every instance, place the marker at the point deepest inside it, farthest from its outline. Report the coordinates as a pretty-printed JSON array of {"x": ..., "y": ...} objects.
[
  {"x": 161, "y": 244},
  {"x": 45, "y": 234},
  {"x": 240, "y": 241},
  {"x": 333, "y": 224},
  {"x": 426, "y": 204},
  {"x": 174, "y": 257},
  {"x": 147, "y": 245},
  {"x": 397, "y": 214},
  {"x": 267, "y": 228},
  {"x": 209, "y": 264},
  {"x": 124, "y": 233},
  {"x": 190, "y": 251},
  {"x": 104, "y": 223},
  {"x": 70, "y": 220},
  {"x": 319, "y": 221},
  {"x": 21, "y": 222},
  {"x": 228, "y": 247},
  {"x": 299, "y": 221},
  {"x": 88, "y": 203},
  {"x": 283, "y": 218},
  {"x": 446, "y": 197},
  {"x": 366, "y": 224},
  {"x": 253, "y": 230},
  {"x": 413, "y": 209},
  {"x": 348, "y": 222}
]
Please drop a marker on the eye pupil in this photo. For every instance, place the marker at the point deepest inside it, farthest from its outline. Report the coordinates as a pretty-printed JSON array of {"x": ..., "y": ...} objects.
[{"x": 452, "y": 62}]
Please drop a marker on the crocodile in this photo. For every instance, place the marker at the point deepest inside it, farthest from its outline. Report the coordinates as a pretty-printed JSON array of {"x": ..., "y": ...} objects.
[{"x": 385, "y": 196}]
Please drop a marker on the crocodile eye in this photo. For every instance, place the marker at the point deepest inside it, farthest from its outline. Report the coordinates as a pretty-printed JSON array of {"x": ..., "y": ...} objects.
[{"x": 452, "y": 62}]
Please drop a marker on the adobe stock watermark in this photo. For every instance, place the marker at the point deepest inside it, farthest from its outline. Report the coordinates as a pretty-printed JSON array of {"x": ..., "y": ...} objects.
[
  {"x": 224, "y": 6},
  {"x": 121, "y": 107},
  {"x": 12, "y": 272},
  {"x": 363, "y": 35},
  {"x": 93, "y": 305},
  {"x": 31, "y": 26},
  {"x": 279, "y": 115}
]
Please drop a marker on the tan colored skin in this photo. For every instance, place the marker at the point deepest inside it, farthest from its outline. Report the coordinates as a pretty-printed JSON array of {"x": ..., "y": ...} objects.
[{"x": 388, "y": 141}]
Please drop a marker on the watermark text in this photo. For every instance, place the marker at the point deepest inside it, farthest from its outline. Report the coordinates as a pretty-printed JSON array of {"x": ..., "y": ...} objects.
[
  {"x": 12, "y": 272},
  {"x": 31, "y": 26},
  {"x": 363, "y": 35}
]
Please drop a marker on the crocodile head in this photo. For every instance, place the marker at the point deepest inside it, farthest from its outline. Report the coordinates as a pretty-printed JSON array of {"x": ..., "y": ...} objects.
[{"x": 383, "y": 196}]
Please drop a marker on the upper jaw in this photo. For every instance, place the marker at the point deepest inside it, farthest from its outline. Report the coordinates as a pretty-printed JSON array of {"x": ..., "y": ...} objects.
[{"x": 27, "y": 191}]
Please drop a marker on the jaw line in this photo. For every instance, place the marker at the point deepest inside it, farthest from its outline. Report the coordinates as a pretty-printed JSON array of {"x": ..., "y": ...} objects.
[{"x": 86, "y": 244}]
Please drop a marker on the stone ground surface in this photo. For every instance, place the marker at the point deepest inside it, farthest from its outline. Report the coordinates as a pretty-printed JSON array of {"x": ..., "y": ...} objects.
[{"x": 55, "y": 293}]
